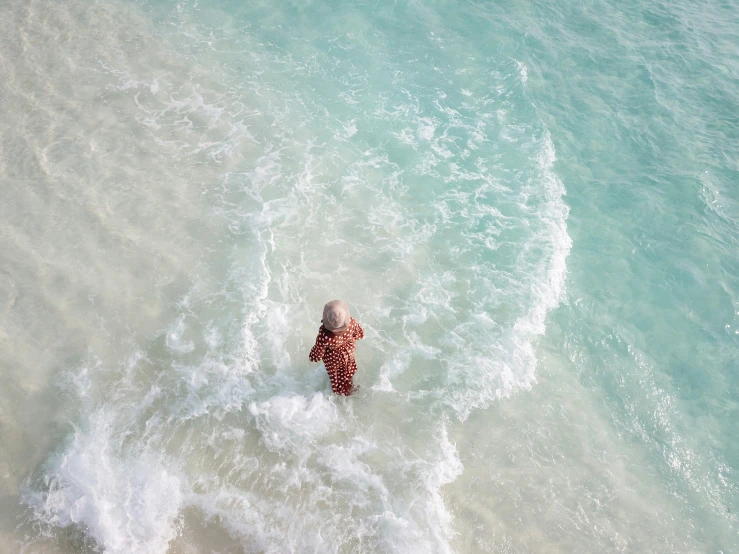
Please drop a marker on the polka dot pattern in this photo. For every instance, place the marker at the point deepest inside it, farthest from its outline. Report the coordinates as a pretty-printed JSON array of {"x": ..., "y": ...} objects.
[{"x": 337, "y": 353}]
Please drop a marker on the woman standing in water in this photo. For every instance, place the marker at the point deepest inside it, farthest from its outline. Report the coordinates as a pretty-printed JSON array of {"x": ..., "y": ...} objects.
[{"x": 335, "y": 346}]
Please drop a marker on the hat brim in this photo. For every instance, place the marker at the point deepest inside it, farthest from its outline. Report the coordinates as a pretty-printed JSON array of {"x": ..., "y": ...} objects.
[{"x": 337, "y": 330}]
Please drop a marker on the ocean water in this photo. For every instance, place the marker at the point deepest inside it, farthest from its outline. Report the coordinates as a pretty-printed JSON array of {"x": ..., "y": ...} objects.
[{"x": 531, "y": 207}]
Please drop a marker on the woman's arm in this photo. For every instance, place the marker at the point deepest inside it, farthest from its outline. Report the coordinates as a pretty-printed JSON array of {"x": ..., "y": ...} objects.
[
  {"x": 316, "y": 353},
  {"x": 358, "y": 332}
]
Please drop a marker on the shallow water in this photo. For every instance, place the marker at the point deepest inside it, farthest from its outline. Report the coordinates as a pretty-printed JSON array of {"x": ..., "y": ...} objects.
[{"x": 531, "y": 209}]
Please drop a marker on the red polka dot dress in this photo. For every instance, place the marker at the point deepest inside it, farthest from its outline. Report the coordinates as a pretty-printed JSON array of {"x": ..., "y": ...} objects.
[{"x": 337, "y": 353}]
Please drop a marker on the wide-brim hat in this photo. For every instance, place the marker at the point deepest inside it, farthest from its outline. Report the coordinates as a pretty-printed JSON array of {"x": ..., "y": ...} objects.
[{"x": 336, "y": 316}]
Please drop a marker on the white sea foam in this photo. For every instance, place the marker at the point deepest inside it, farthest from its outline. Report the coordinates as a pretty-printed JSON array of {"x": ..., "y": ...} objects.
[
  {"x": 426, "y": 128},
  {"x": 126, "y": 502},
  {"x": 176, "y": 337},
  {"x": 350, "y": 129},
  {"x": 445, "y": 470},
  {"x": 283, "y": 420},
  {"x": 548, "y": 293},
  {"x": 522, "y": 71}
]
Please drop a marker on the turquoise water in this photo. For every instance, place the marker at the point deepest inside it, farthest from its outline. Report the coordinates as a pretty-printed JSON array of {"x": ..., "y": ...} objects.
[{"x": 532, "y": 209}]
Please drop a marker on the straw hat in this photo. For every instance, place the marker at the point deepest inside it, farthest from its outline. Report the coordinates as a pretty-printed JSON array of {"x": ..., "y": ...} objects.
[{"x": 336, "y": 316}]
